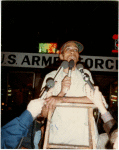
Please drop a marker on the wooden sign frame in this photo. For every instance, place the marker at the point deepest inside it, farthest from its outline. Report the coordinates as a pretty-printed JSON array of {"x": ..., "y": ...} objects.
[{"x": 92, "y": 143}]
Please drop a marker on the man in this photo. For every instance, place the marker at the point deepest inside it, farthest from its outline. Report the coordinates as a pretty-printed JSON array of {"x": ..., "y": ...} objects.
[
  {"x": 68, "y": 90},
  {"x": 110, "y": 126},
  {"x": 70, "y": 50}
]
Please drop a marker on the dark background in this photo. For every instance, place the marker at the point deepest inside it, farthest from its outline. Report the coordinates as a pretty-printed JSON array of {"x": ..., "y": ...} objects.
[{"x": 27, "y": 23}]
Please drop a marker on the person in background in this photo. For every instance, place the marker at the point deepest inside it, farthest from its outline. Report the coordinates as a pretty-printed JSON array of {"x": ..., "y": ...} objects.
[
  {"x": 14, "y": 131},
  {"x": 110, "y": 125}
]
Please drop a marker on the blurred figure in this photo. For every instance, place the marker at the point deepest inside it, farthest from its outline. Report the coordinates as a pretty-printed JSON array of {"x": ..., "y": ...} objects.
[
  {"x": 110, "y": 125},
  {"x": 12, "y": 132}
]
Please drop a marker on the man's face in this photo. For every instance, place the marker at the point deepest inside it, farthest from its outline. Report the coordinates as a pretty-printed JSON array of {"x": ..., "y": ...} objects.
[{"x": 70, "y": 51}]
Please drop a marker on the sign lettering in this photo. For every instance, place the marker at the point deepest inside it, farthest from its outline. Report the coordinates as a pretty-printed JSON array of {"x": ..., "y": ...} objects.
[{"x": 94, "y": 63}]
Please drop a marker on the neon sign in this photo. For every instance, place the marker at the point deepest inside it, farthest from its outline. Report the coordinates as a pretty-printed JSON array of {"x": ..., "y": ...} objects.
[{"x": 48, "y": 48}]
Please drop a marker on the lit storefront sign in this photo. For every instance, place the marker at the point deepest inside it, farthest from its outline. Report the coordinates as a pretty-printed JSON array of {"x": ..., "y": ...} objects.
[
  {"x": 48, "y": 48},
  {"x": 35, "y": 60},
  {"x": 113, "y": 98}
]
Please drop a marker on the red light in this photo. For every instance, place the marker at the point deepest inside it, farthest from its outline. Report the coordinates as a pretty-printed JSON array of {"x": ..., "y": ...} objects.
[
  {"x": 115, "y": 36},
  {"x": 114, "y": 51},
  {"x": 117, "y": 44}
]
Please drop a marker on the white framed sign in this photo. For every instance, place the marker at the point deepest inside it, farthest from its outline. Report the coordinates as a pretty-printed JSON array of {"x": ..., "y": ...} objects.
[{"x": 36, "y": 60}]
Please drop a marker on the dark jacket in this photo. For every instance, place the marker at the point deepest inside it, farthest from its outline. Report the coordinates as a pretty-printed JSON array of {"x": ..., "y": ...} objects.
[
  {"x": 13, "y": 131},
  {"x": 110, "y": 126}
]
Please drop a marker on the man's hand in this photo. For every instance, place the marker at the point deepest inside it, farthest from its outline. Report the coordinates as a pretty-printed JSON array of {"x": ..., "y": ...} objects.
[
  {"x": 45, "y": 109},
  {"x": 65, "y": 85},
  {"x": 35, "y": 107},
  {"x": 50, "y": 104},
  {"x": 44, "y": 112},
  {"x": 52, "y": 101}
]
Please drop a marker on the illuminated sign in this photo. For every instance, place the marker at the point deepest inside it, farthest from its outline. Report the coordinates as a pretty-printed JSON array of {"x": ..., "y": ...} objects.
[
  {"x": 49, "y": 48},
  {"x": 113, "y": 98}
]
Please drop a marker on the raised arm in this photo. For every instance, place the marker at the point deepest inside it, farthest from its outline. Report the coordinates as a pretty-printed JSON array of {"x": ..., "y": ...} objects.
[
  {"x": 13, "y": 131},
  {"x": 65, "y": 86},
  {"x": 110, "y": 125}
]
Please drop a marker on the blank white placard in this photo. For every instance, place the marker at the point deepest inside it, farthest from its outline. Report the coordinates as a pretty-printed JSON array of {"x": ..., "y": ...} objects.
[{"x": 69, "y": 125}]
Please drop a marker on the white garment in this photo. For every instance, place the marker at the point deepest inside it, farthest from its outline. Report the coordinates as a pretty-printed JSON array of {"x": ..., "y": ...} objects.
[
  {"x": 62, "y": 129},
  {"x": 77, "y": 83}
]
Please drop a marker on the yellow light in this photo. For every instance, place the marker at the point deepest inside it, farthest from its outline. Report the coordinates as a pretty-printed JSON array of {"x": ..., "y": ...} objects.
[
  {"x": 114, "y": 96},
  {"x": 114, "y": 100},
  {"x": 9, "y": 90},
  {"x": 3, "y": 103}
]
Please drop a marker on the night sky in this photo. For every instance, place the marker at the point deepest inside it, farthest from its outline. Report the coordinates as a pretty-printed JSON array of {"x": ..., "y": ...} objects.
[{"x": 27, "y": 23}]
